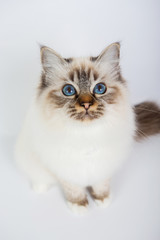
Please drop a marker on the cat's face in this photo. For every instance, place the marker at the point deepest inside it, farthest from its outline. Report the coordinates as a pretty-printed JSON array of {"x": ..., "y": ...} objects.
[{"x": 81, "y": 87}]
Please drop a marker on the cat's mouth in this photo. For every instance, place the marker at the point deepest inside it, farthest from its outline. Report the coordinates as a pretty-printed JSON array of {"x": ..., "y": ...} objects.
[{"x": 87, "y": 115}]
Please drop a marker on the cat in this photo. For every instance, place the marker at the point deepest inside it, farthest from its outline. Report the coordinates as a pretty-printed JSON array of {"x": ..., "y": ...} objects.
[{"x": 81, "y": 126}]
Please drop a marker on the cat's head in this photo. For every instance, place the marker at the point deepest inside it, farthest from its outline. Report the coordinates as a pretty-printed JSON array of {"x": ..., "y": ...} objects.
[{"x": 82, "y": 88}]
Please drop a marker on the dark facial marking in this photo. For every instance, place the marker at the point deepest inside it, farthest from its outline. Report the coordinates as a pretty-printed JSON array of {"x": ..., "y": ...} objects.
[
  {"x": 100, "y": 107},
  {"x": 88, "y": 114},
  {"x": 93, "y": 59},
  {"x": 77, "y": 70},
  {"x": 58, "y": 100},
  {"x": 43, "y": 84},
  {"x": 111, "y": 98},
  {"x": 71, "y": 111},
  {"x": 95, "y": 75},
  {"x": 71, "y": 76},
  {"x": 83, "y": 74},
  {"x": 121, "y": 79},
  {"x": 69, "y": 60},
  {"x": 88, "y": 73}
]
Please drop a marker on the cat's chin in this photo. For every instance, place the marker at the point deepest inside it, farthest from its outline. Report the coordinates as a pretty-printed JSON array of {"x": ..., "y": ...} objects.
[{"x": 86, "y": 117}]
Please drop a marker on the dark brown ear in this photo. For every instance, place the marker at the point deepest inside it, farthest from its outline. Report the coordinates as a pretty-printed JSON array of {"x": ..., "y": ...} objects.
[
  {"x": 111, "y": 54},
  {"x": 50, "y": 59}
]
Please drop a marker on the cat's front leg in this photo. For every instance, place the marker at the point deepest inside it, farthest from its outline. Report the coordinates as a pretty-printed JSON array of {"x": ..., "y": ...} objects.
[
  {"x": 100, "y": 193},
  {"x": 41, "y": 179},
  {"x": 76, "y": 197}
]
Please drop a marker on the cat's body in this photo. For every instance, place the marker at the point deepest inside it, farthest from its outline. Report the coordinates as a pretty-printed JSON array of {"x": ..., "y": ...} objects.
[
  {"x": 80, "y": 145},
  {"x": 79, "y": 154}
]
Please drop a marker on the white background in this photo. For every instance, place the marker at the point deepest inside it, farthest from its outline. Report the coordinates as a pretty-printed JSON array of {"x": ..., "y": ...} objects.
[{"x": 75, "y": 28}]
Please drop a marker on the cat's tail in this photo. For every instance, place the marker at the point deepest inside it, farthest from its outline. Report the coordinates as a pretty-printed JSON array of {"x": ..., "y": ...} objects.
[{"x": 147, "y": 119}]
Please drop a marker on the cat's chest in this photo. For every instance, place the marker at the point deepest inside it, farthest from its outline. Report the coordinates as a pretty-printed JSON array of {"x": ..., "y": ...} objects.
[
  {"x": 82, "y": 143},
  {"x": 82, "y": 155},
  {"x": 78, "y": 144}
]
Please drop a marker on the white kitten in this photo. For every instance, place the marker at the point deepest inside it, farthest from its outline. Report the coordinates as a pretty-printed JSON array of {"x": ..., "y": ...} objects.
[{"x": 80, "y": 127}]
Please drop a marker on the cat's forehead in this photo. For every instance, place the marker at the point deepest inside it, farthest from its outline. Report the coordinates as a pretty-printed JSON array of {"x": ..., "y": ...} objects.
[{"x": 83, "y": 71}]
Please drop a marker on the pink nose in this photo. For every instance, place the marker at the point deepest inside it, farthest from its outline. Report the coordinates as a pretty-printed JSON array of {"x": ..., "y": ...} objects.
[{"x": 86, "y": 105}]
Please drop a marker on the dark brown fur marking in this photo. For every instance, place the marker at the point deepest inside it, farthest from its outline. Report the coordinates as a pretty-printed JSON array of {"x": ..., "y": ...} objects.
[
  {"x": 83, "y": 74},
  {"x": 97, "y": 196},
  {"x": 121, "y": 79},
  {"x": 69, "y": 60},
  {"x": 77, "y": 70},
  {"x": 80, "y": 202},
  {"x": 93, "y": 59},
  {"x": 43, "y": 84},
  {"x": 88, "y": 73},
  {"x": 95, "y": 75},
  {"x": 111, "y": 98},
  {"x": 147, "y": 119},
  {"x": 58, "y": 101},
  {"x": 71, "y": 76}
]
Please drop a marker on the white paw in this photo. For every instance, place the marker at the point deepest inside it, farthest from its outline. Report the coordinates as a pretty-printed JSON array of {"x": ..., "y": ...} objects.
[
  {"x": 40, "y": 188},
  {"x": 77, "y": 209},
  {"x": 103, "y": 203}
]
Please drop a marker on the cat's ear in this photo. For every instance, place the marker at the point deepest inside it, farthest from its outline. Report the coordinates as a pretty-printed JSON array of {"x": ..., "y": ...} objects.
[
  {"x": 110, "y": 55},
  {"x": 51, "y": 60}
]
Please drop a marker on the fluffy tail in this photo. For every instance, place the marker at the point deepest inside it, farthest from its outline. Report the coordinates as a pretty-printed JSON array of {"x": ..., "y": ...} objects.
[{"x": 147, "y": 119}]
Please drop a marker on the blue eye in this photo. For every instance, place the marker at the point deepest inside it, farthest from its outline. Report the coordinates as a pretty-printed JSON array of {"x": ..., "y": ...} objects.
[
  {"x": 100, "y": 88},
  {"x": 68, "y": 90}
]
